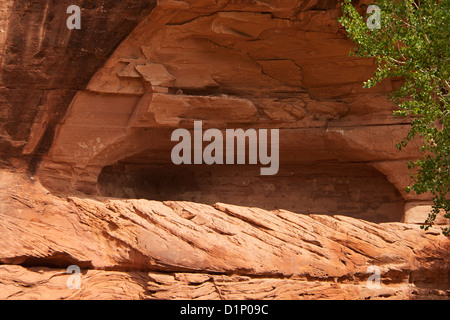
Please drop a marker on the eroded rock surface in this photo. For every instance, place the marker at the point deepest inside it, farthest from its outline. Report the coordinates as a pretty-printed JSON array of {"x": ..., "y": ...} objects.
[
  {"x": 76, "y": 102},
  {"x": 43, "y": 64},
  {"x": 141, "y": 249},
  {"x": 89, "y": 114},
  {"x": 276, "y": 65}
]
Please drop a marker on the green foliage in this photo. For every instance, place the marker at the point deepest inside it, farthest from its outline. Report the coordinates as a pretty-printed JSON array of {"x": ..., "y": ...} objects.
[{"x": 413, "y": 43}]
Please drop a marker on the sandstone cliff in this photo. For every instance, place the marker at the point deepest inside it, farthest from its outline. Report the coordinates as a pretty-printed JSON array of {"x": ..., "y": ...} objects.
[
  {"x": 86, "y": 117},
  {"x": 141, "y": 249}
]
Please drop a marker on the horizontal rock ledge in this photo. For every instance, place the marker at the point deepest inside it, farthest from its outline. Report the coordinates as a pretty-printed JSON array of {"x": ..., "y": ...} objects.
[{"x": 256, "y": 249}]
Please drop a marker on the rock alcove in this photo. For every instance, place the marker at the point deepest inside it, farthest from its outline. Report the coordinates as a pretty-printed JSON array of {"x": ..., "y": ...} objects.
[{"x": 237, "y": 69}]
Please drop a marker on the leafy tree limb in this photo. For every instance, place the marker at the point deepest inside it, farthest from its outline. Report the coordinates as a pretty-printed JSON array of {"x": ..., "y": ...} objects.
[{"x": 413, "y": 43}]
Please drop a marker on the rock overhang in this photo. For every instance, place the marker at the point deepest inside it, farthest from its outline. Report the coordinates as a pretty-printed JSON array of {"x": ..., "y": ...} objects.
[{"x": 270, "y": 67}]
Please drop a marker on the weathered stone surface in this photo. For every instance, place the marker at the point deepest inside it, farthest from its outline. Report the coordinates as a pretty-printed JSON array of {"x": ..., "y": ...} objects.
[
  {"x": 134, "y": 249},
  {"x": 319, "y": 189},
  {"x": 86, "y": 177},
  {"x": 43, "y": 64},
  {"x": 280, "y": 65}
]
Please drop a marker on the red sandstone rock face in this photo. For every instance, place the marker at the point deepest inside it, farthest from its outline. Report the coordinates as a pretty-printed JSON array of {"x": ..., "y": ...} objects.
[
  {"x": 43, "y": 64},
  {"x": 136, "y": 249},
  {"x": 90, "y": 113},
  {"x": 283, "y": 66}
]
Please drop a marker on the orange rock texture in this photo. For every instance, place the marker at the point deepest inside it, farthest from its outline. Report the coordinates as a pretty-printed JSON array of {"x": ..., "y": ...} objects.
[
  {"x": 142, "y": 249},
  {"x": 86, "y": 176}
]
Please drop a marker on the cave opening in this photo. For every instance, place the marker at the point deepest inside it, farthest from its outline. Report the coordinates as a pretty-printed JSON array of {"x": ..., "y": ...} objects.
[{"x": 331, "y": 188}]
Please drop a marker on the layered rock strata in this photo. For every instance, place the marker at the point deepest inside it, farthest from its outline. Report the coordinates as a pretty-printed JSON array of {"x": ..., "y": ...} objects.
[
  {"x": 141, "y": 249},
  {"x": 85, "y": 131}
]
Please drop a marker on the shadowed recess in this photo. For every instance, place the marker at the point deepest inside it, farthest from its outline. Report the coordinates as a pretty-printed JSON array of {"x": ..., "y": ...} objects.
[{"x": 331, "y": 188}]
